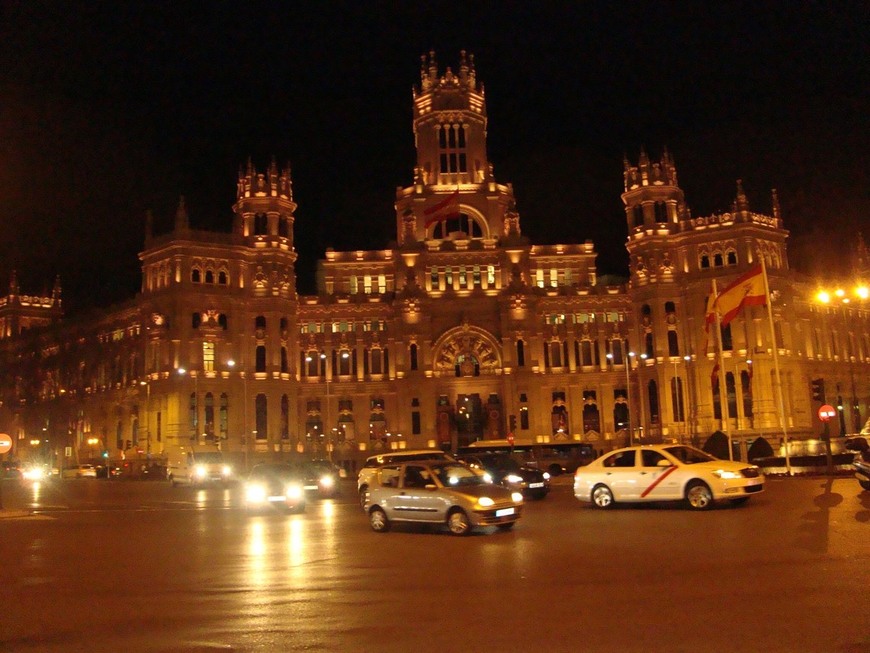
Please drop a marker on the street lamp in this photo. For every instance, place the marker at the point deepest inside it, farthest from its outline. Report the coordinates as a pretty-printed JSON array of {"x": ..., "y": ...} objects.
[
  {"x": 182, "y": 371},
  {"x": 627, "y": 365},
  {"x": 147, "y": 385},
  {"x": 231, "y": 364}
]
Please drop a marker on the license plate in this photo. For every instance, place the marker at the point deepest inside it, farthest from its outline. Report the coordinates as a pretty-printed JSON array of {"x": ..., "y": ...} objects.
[
  {"x": 310, "y": 487},
  {"x": 277, "y": 498},
  {"x": 536, "y": 485},
  {"x": 504, "y": 512}
]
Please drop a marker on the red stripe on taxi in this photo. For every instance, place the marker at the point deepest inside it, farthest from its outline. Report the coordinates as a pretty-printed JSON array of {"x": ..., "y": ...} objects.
[{"x": 657, "y": 481}]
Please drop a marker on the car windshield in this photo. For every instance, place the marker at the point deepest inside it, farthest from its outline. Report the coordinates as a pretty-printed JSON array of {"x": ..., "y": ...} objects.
[
  {"x": 454, "y": 475},
  {"x": 689, "y": 455},
  {"x": 320, "y": 467},
  {"x": 209, "y": 457},
  {"x": 500, "y": 462},
  {"x": 273, "y": 471}
]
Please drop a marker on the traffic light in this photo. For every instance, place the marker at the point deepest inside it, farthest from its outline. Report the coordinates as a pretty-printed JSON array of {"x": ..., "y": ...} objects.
[
  {"x": 512, "y": 420},
  {"x": 818, "y": 390}
]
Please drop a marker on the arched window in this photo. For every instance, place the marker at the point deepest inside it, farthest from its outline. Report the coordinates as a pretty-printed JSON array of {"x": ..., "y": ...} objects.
[
  {"x": 677, "y": 399},
  {"x": 638, "y": 215},
  {"x": 261, "y": 224},
  {"x": 208, "y": 422},
  {"x": 209, "y": 276},
  {"x": 285, "y": 417},
  {"x": 705, "y": 261},
  {"x": 260, "y": 322},
  {"x": 224, "y": 416},
  {"x": 261, "y": 358},
  {"x": 661, "y": 212},
  {"x": 653, "y": 394},
  {"x": 521, "y": 353},
  {"x": 195, "y": 320},
  {"x": 649, "y": 345},
  {"x": 413, "y": 356},
  {"x": 673, "y": 345},
  {"x": 284, "y": 363},
  {"x": 731, "y": 257},
  {"x": 260, "y": 416},
  {"x": 717, "y": 260},
  {"x": 223, "y": 278},
  {"x": 192, "y": 411},
  {"x": 195, "y": 275}
]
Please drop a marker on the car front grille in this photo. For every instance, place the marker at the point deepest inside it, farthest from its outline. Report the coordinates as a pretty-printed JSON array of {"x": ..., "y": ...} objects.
[{"x": 753, "y": 488}]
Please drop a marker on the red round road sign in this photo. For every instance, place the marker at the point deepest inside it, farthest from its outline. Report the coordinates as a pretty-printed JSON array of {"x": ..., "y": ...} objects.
[
  {"x": 827, "y": 412},
  {"x": 5, "y": 443}
]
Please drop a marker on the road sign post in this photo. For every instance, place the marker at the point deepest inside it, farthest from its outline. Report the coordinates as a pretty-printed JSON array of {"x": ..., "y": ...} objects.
[{"x": 826, "y": 414}]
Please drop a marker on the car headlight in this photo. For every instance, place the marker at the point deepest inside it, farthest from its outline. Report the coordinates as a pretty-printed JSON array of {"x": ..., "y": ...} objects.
[
  {"x": 227, "y": 470},
  {"x": 487, "y": 478},
  {"x": 327, "y": 481},
  {"x": 724, "y": 473},
  {"x": 200, "y": 471},
  {"x": 293, "y": 491},
  {"x": 517, "y": 496},
  {"x": 546, "y": 476},
  {"x": 513, "y": 478},
  {"x": 255, "y": 493},
  {"x": 33, "y": 474},
  {"x": 486, "y": 502}
]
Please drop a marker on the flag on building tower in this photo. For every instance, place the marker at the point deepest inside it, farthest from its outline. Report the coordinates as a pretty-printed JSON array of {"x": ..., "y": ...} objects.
[
  {"x": 443, "y": 210},
  {"x": 746, "y": 290}
]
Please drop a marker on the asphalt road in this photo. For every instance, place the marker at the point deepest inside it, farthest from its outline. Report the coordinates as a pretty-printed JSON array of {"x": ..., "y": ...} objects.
[{"x": 95, "y": 565}]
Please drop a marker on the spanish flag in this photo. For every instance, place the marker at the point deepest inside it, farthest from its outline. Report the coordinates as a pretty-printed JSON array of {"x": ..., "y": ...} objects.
[
  {"x": 746, "y": 290},
  {"x": 443, "y": 210}
]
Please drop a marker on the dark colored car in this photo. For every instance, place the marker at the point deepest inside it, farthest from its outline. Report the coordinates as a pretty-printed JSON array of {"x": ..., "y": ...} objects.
[
  {"x": 10, "y": 469},
  {"x": 321, "y": 476},
  {"x": 504, "y": 470},
  {"x": 277, "y": 485}
]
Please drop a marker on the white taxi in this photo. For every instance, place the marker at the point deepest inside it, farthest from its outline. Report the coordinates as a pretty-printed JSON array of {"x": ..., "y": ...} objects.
[{"x": 671, "y": 472}]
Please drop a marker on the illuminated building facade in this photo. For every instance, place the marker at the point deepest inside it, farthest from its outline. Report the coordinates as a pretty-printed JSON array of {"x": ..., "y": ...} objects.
[{"x": 460, "y": 329}]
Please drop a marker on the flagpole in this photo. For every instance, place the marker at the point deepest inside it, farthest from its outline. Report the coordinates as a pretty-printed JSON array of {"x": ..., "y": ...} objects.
[
  {"x": 723, "y": 403},
  {"x": 777, "y": 376}
]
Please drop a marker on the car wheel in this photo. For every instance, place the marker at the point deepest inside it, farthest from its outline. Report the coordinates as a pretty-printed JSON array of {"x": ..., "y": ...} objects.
[
  {"x": 378, "y": 520},
  {"x": 457, "y": 522},
  {"x": 172, "y": 480},
  {"x": 363, "y": 496},
  {"x": 507, "y": 526},
  {"x": 698, "y": 495},
  {"x": 739, "y": 501},
  {"x": 555, "y": 470},
  {"x": 865, "y": 484},
  {"x": 602, "y": 497}
]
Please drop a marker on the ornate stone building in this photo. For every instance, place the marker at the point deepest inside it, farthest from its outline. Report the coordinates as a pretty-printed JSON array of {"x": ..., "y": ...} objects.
[{"x": 459, "y": 330}]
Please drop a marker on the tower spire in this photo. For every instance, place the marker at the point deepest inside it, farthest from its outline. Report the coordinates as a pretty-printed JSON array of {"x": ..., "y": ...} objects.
[{"x": 182, "y": 219}]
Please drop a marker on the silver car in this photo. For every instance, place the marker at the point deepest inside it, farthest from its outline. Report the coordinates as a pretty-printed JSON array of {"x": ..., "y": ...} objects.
[{"x": 440, "y": 492}]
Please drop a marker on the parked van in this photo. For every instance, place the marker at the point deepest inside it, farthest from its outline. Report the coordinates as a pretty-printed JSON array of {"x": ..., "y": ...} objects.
[{"x": 197, "y": 466}]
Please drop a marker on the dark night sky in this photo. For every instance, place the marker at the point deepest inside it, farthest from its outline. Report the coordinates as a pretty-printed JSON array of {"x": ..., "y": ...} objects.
[{"x": 110, "y": 109}]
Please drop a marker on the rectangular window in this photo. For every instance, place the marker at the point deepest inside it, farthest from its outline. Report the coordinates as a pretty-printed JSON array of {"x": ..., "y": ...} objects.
[
  {"x": 490, "y": 275},
  {"x": 433, "y": 278},
  {"x": 463, "y": 277},
  {"x": 382, "y": 284},
  {"x": 208, "y": 356},
  {"x": 476, "y": 276},
  {"x": 448, "y": 276},
  {"x": 539, "y": 278},
  {"x": 354, "y": 285},
  {"x": 367, "y": 284},
  {"x": 554, "y": 277}
]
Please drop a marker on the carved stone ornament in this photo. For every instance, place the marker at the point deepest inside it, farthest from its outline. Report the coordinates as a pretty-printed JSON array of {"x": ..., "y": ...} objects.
[{"x": 464, "y": 345}]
